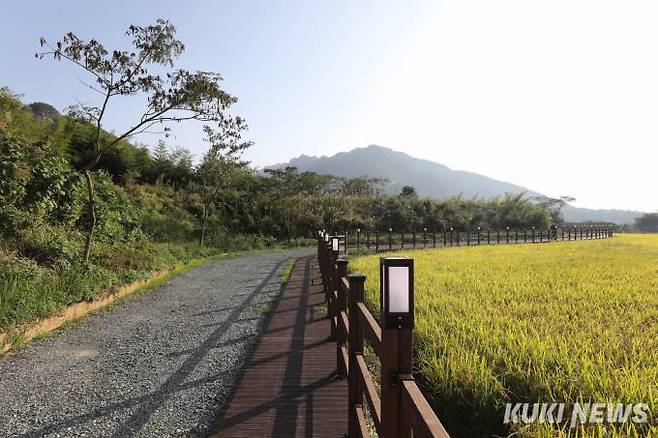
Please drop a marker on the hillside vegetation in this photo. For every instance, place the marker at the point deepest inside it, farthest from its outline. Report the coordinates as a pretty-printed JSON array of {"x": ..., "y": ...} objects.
[
  {"x": 152, "y": 205},
  {"x": 560, "y": 322}
]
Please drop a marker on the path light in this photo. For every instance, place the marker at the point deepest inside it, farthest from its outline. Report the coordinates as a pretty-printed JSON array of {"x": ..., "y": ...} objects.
[
  {"x": 335, "y": 245},
  {"x": 397, "y": 292}
]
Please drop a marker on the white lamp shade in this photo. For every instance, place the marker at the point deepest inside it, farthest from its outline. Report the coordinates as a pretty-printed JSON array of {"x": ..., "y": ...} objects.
[
  {"x": 398, "y": 289},
  {"x": 334, "y": 244}
]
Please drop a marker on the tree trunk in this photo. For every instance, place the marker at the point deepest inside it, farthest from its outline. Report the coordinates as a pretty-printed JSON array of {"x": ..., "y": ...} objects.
[
  {"x": 91, "y": 211},
  {"x": 203, "y": 225}
]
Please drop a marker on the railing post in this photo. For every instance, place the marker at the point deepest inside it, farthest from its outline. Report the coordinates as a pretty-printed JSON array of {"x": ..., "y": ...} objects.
[
  {"x": 525, "y": 235},
  {"x": 498, "y": 236},
  {"x": 468, "y": 236},
  {"x": 341, "y": 306},
  {"x": 377, "y": 241},
  {"x": 488, "y": 236},
  {"x": 516, "y": 235},
  {"x": 331, "y": 303},
  {"x": 355, "y": 386},
  {"x": 396, "y": 365},
  {"x": 533, "y": 234},
  {"x": 413, "y": 236},
  {"x": 402, "y": 240}
]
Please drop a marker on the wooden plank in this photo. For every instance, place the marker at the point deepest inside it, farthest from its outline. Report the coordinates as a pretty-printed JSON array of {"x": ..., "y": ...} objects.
[
  {"x": 372, "y": 329},
  {"x": 370, "y": 392},
  {"x": 288, "y": 386},
  {"x": 345, "y": 284},
  {"x": 345, "y": 355},
  {"x": 364, "y": 432},
  {"x": 342, "y": 317},
  {"x": 424, "y": 421}
]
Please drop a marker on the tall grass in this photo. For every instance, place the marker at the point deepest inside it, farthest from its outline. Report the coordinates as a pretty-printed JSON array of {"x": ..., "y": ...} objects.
[
  {"x": 560, "y": 322},
  {"x": 29, "y": 291}
]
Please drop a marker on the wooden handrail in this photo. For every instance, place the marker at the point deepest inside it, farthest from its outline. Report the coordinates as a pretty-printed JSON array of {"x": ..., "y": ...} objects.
[
  {"x": 395, "y": 240},
  {"x": 372, "y": 329},
  {"x": 401, "y": 401},
  {"x": 421, "y": 416},
  {"x": 362, "y": 428},
  {"x": 370, "y": 392},
  {"x": 351, "y": 321}
]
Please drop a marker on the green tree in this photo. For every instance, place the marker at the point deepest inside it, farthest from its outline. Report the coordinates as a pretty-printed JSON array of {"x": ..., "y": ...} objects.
[
  {"x": 554, "y": 205},
  {"x": 648, "y": 222},
  {"x": 408, "y": 192},
  {"x": 172, "y": 95},
  {"x": 218, "y": 168}
]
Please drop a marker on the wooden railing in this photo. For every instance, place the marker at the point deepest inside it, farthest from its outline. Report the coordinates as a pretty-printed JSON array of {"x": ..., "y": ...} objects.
[
  {"x": 399, "y": 407},
  {"x": 390, "y": 239}
]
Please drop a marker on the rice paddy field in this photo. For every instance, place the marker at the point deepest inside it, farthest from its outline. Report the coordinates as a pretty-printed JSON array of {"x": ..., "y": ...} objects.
[{"x": 558, "y": 322}]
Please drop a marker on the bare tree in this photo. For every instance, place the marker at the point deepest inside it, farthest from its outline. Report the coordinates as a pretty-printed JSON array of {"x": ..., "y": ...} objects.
[{"x": 172, "y": 95}]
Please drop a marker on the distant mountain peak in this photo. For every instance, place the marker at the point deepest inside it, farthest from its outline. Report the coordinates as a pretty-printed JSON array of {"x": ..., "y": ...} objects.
[{"x": 430, "y": 179}]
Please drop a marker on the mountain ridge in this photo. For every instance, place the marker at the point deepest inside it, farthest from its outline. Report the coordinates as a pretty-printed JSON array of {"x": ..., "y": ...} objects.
[{"x": 432, "y": 179}]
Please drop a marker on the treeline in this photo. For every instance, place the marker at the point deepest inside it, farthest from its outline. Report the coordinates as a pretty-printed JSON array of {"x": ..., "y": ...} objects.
[
  {"x": 159, "y": 194},
  {"x": 157, "y": 207}
]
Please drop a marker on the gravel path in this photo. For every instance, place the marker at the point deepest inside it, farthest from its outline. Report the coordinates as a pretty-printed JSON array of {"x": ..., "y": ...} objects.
[{"x": 162, "y": 364}]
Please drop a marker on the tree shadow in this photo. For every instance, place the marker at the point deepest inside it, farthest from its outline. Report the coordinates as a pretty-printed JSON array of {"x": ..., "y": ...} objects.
[{"x": 148, "y": 404}]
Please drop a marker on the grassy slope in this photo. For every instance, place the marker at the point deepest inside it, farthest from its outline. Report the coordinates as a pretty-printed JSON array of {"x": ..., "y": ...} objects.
[
  {"x": 573, "y": 321},
  {"x": 29, "y": 292}
]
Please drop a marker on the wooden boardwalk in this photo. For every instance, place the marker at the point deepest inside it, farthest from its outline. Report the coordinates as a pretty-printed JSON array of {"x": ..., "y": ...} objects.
[{"x": 289, "y": 387}]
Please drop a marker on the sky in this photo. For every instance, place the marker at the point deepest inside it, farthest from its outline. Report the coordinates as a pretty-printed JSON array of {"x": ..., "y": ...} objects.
[{"x": 557, "y": 96}]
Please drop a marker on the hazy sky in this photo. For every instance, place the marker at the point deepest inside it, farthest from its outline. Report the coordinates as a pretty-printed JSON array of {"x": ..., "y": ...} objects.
[{"x": 557, "y": 96}]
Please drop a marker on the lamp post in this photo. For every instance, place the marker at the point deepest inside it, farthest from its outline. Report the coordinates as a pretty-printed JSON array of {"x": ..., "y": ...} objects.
[
  {"x": 390, "y": 238},
  {"x": 533, "y": 234},
  {"x": 506, "y": 234},
  {"x": 397, "y": 316},
  {"x": 478, "y": 235},
  {"x": 451, "y": 237},
  {"x": 397, "y": 292},
  {"x": 358, "y": 233},
  {"x": 424, "y": 237}
]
